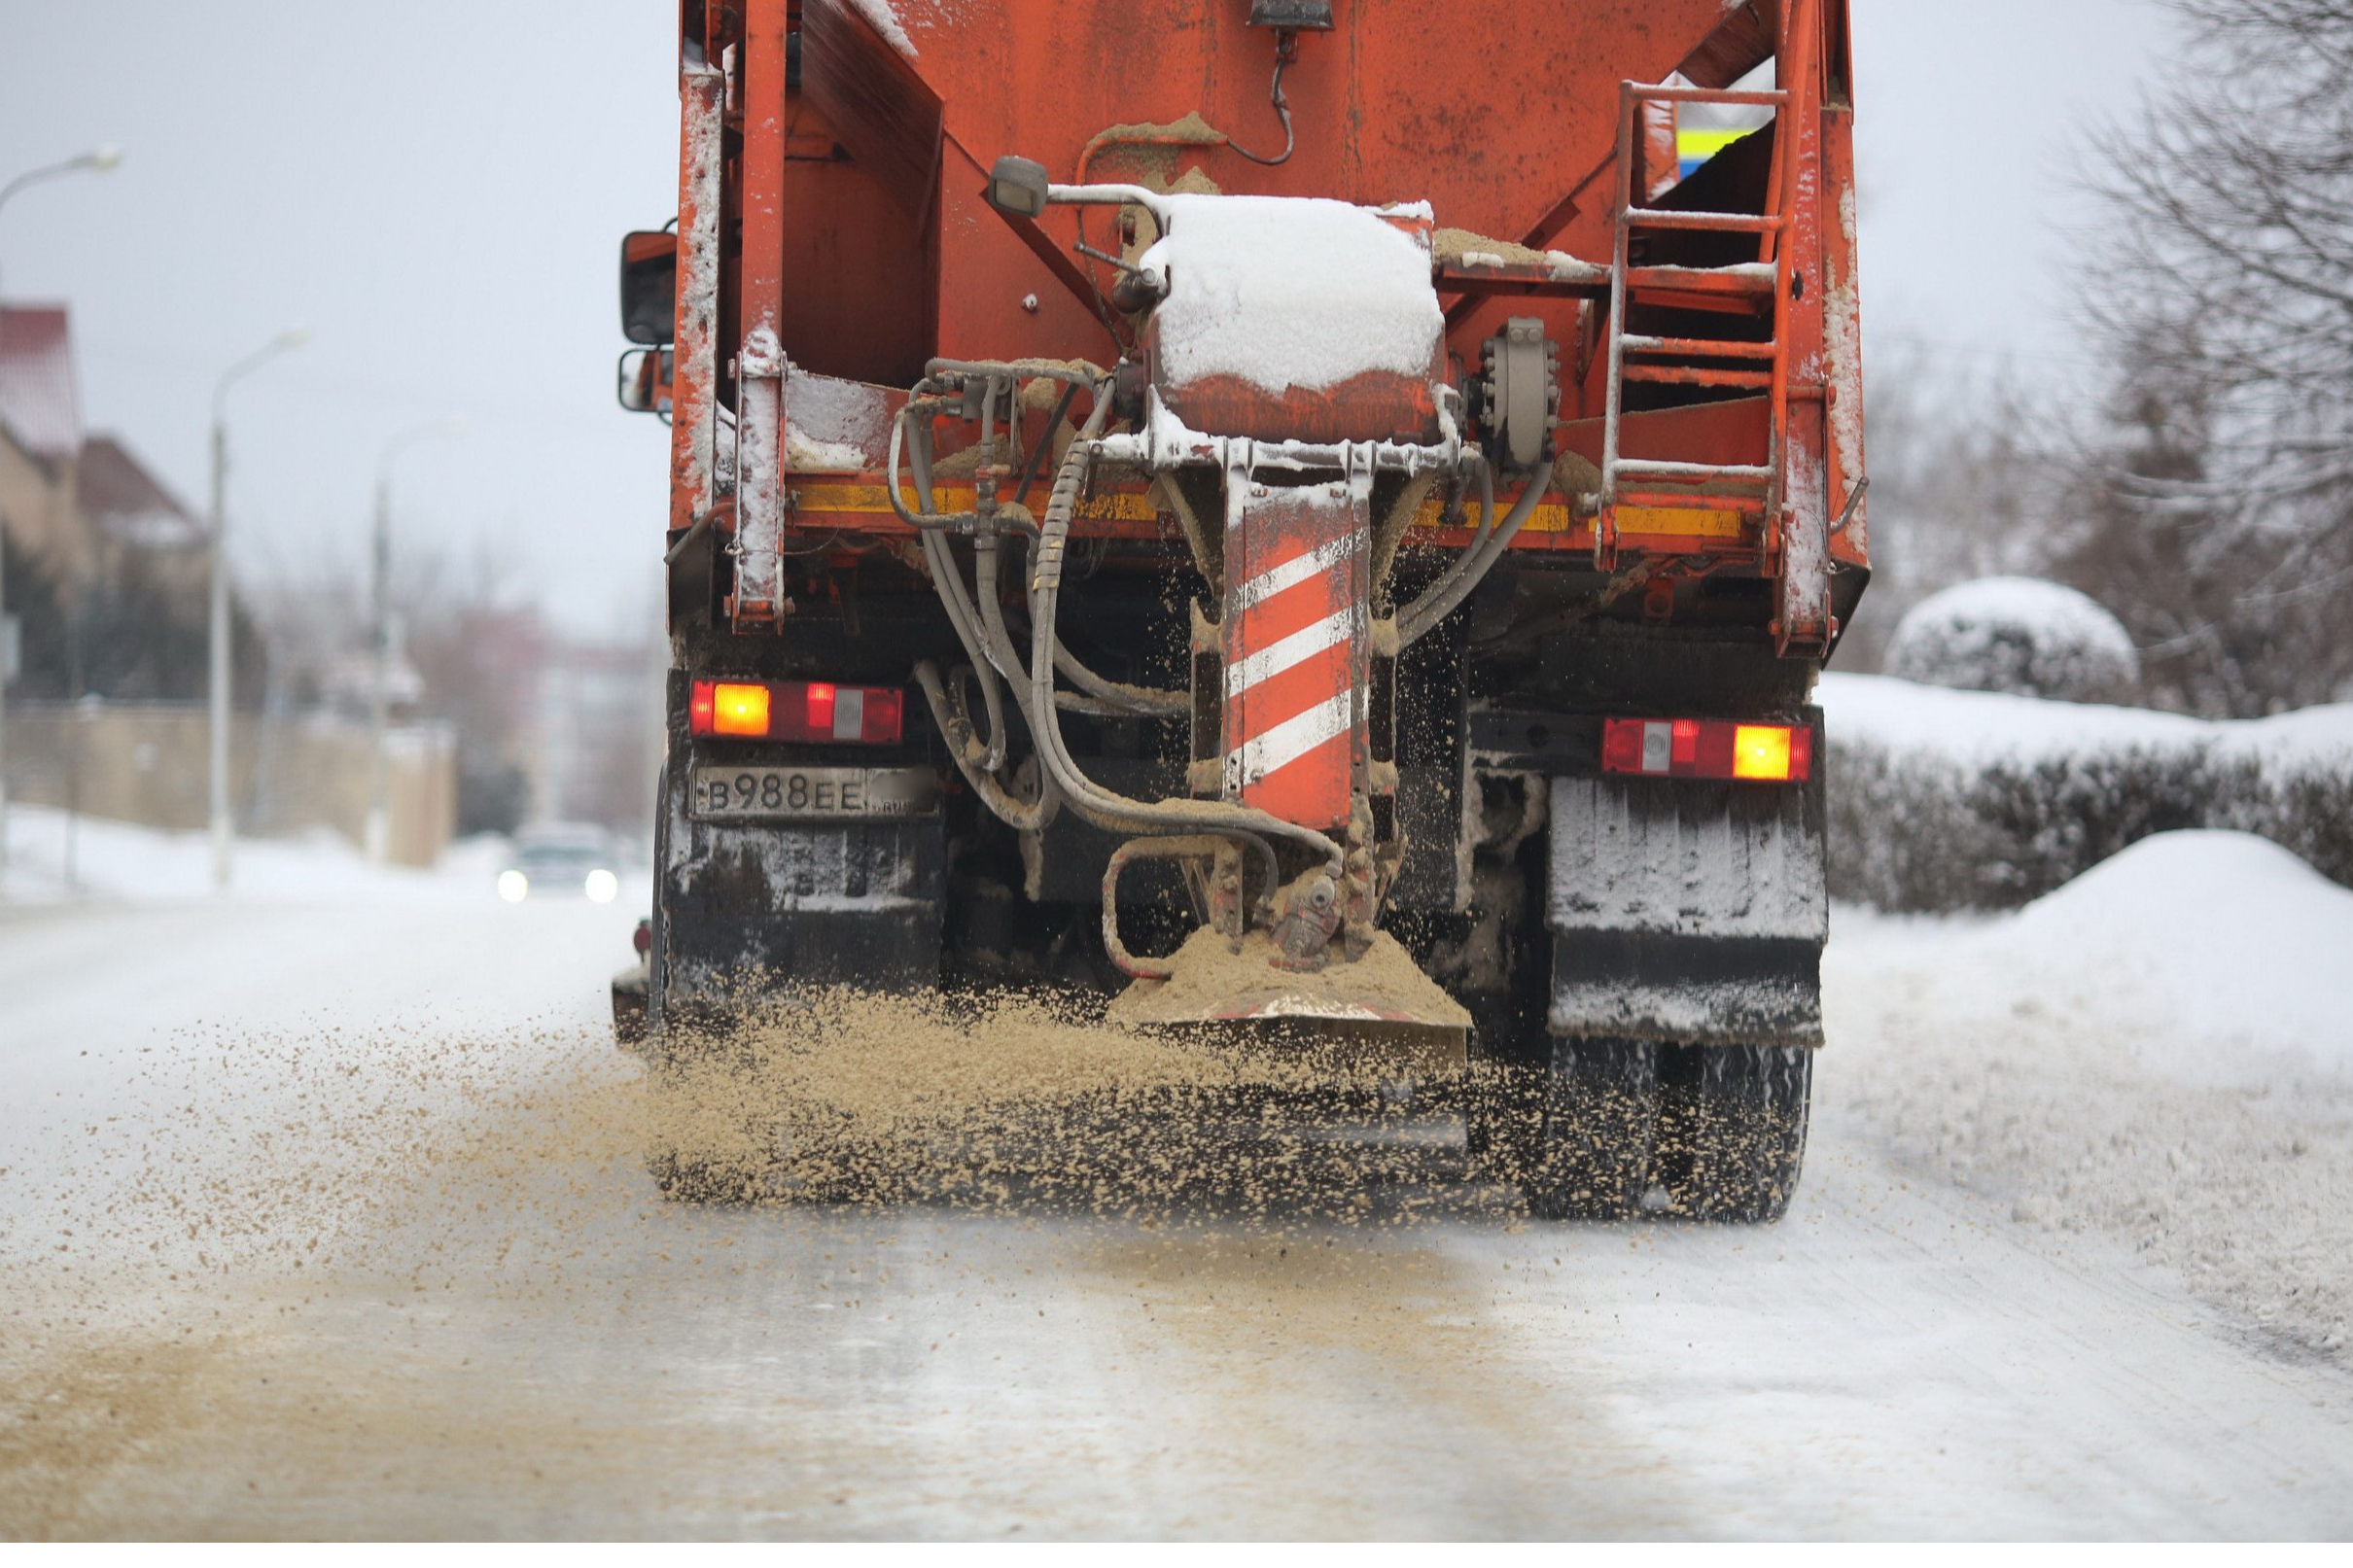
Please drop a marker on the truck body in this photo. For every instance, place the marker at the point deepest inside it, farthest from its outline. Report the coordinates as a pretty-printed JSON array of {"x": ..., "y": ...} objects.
[{"x": 1350, "y": 497}]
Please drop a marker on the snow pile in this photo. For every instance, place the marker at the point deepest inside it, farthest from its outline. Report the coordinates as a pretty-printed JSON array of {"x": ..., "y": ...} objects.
[
  {"x": 1943, "y": 800},
  {"x": 2220, "y": 938},
  {"x": 1284, "y": 292},
  {"x": 2017, "y": 635},
  {"x": 2160, "y": 1050}
]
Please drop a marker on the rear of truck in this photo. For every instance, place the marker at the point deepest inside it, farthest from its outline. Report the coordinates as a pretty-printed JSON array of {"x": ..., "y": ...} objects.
[{"x": 1315, "y": 519}]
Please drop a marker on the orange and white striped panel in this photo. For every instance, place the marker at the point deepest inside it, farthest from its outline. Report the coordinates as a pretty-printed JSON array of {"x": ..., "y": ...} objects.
[{"x": 1296, "y": 566}]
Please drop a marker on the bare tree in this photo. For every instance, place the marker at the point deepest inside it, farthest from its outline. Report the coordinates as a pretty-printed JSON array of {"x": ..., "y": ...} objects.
[
  {"x": 2221, "y": 501},
  {"x": 1960, "y": 481}
]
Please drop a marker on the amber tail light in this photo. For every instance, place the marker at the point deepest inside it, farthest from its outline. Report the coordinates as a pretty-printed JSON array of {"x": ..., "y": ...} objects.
[
  {"x": 797, "y": 711},
  {"x": 1707, "y": 748}
]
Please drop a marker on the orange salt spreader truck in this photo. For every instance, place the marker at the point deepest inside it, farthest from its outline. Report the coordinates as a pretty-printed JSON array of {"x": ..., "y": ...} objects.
[{"x": 1320, "y": 517}]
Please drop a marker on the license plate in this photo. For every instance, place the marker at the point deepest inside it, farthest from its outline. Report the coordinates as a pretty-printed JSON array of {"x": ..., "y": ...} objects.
[{"x": 797, "y": 793}]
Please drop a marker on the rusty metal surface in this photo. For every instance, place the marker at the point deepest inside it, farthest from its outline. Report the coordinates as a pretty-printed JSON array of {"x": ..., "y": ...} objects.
[
  {"x": 873, "y": 208},
  {"x": 694, "y": 377}
]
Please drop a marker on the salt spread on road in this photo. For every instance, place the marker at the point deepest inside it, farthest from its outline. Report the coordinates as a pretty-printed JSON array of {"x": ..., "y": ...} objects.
[{"x": 332, "y": 1220}]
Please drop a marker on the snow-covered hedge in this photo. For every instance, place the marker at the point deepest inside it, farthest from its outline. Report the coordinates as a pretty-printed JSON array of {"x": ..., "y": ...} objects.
[
  {"x": 1947, "y": 800},
  {"x": 2028, "y": 638}
]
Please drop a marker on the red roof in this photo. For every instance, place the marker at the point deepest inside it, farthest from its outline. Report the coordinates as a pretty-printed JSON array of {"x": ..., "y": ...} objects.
[
  {"x": 129, "y": 504},
  {"x": 40, "y": 402}
]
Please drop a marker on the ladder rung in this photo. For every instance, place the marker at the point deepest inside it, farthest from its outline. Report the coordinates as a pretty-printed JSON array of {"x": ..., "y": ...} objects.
[
  {"x": 1749, "y": 506},
  {"x": 1697, "y": 375},
  {"x": 1640, "y": 467},
  {"x": 1699, "y": 348},
  {"x": 1755, "y": 97},
  {"x": 1736, "y": 222},
  {"x": 1743, "y": 277}
]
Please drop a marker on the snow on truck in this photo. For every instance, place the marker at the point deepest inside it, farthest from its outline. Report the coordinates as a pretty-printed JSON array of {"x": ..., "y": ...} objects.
[{"x": 1320, "y": 517}]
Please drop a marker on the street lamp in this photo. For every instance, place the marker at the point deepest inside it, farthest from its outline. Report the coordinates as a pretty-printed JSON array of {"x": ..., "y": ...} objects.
[
  {"x": 224, "y": 830},
  {"x": 97, "y": 161},
  {"x": 379, "y": 695}
]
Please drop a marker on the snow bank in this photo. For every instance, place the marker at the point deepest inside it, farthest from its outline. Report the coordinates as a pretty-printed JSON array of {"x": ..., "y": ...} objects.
[
  {"x": 1283, "y": 291},
  {"x": 1946, "y": 800},
  {"x": 2218, "y": 938},
  {"x": 124, "y": 862},
  {"x": 2160, "y": 1050},
  {"x": 1980, "y": 728},
  {"x": 2017, "y": 635}
]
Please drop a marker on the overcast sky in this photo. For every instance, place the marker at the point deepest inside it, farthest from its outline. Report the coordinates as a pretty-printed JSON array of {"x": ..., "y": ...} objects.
[{"x": 436, "y": 189}]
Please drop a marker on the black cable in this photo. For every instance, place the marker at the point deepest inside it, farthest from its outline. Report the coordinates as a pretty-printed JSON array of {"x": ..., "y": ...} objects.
[
  {"x": 1045, "y": 445},
  {"x": 1283, "y": 112}
]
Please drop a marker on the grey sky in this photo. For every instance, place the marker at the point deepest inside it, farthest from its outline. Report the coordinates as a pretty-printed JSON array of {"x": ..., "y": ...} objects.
[
  {"x": 437, "y": 189},
  {"x": 1970, "y": 121}
]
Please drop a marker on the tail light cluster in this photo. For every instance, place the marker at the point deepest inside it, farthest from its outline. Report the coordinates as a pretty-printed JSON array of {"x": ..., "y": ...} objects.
[
  {"x": 797, "y": 711},
  {"x": 1707, "y": 748}
]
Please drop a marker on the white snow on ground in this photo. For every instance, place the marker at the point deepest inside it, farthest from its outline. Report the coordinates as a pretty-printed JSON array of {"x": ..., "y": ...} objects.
[
  {"x": 56, "y": 857},
  {"x": 2162, "y": 1050},
  {"x": 2229, "y": 959},
  {"x": 317, "y": 1219},
  {"x": 1978, "y": 728},
  {"x": 1284, "y": 292}
]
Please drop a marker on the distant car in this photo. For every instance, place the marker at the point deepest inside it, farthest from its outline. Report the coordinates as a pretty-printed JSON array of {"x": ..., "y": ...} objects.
[{"x": 561, "y": 862}]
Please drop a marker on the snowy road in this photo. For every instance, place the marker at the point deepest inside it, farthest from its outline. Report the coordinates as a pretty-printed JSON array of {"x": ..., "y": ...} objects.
[{"x": 326, "y": 1221}]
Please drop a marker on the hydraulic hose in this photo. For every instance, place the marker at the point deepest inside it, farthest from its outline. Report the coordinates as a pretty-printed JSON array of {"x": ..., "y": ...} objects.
[
  {"x": 1111, "y": 696},
  {"x": 947, "y": 580},
  {"x": 1243, "y": 824},
  {"x": 1470, "y": 569},
  {"x": 972, "y": 756}
]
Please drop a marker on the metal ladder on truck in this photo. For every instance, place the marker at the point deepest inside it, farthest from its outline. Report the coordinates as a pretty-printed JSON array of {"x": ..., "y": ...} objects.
[{"x": 1758, "y": 489}]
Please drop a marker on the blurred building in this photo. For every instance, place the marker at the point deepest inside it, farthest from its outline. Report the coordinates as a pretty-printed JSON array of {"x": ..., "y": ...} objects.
[
  {"x": 600, "y": 742},
  {"x": 107, "y": 577},
  {"x": 106, "y": 567}
]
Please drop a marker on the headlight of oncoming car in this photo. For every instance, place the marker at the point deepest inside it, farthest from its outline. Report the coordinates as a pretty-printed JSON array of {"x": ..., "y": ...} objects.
[
  {"x": 602, "y": 886},
  {"x": 514, "y": 886}
]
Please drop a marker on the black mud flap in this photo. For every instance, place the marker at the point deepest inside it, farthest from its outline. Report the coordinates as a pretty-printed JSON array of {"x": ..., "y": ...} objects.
[
  {"x": 759, "y": 908},
  {"x": 1688, "y": 912}
]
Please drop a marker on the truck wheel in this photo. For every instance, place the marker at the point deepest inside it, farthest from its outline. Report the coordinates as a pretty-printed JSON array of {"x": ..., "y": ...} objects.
[
  {"x": 1599, "y": 1123},
  {"x": 1732, "y": 1128}
]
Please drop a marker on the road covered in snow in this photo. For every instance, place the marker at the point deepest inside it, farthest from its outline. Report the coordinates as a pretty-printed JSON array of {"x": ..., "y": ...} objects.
[{"x": 325, "y": 1213}]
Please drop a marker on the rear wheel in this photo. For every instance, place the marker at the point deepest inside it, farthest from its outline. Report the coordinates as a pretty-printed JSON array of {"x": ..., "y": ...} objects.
[
  {"x": 1732, "y": 1128},
  {"x": 1596, "y": 1131}
]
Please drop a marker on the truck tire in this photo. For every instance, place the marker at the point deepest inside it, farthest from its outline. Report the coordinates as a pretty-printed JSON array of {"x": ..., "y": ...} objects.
[
  {"x": 1598, "y": 1130},
  {"x": 1731, "y": 1134}
]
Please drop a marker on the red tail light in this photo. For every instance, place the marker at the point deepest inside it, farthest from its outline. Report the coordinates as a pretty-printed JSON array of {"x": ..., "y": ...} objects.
[
  {"x": 1707, "y": 748},
  {"x": 797, "y": 711}
]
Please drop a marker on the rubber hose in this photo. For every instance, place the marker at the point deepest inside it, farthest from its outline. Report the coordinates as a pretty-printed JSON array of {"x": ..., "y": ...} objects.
[
  {"x": 1418, "y": 619},
  {"x": 956, "y": 726},
  {"x": 1244, "y": 823}
]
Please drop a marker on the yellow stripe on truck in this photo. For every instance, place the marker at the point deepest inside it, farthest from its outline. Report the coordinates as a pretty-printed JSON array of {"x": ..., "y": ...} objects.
[
  {"x": 872, "y": 498},
  {"x": 1682, "y": 522}
]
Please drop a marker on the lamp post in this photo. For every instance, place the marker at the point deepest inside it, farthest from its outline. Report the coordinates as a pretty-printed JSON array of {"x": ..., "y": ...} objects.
[
  {"x": 379, "y": 593},
  {"x": 223, "y": 829},
  {"x": 97, "y": 161}
]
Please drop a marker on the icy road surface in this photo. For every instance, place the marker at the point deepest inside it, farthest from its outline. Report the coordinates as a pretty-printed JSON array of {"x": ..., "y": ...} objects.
[{"x": 326, "y": 1221}]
